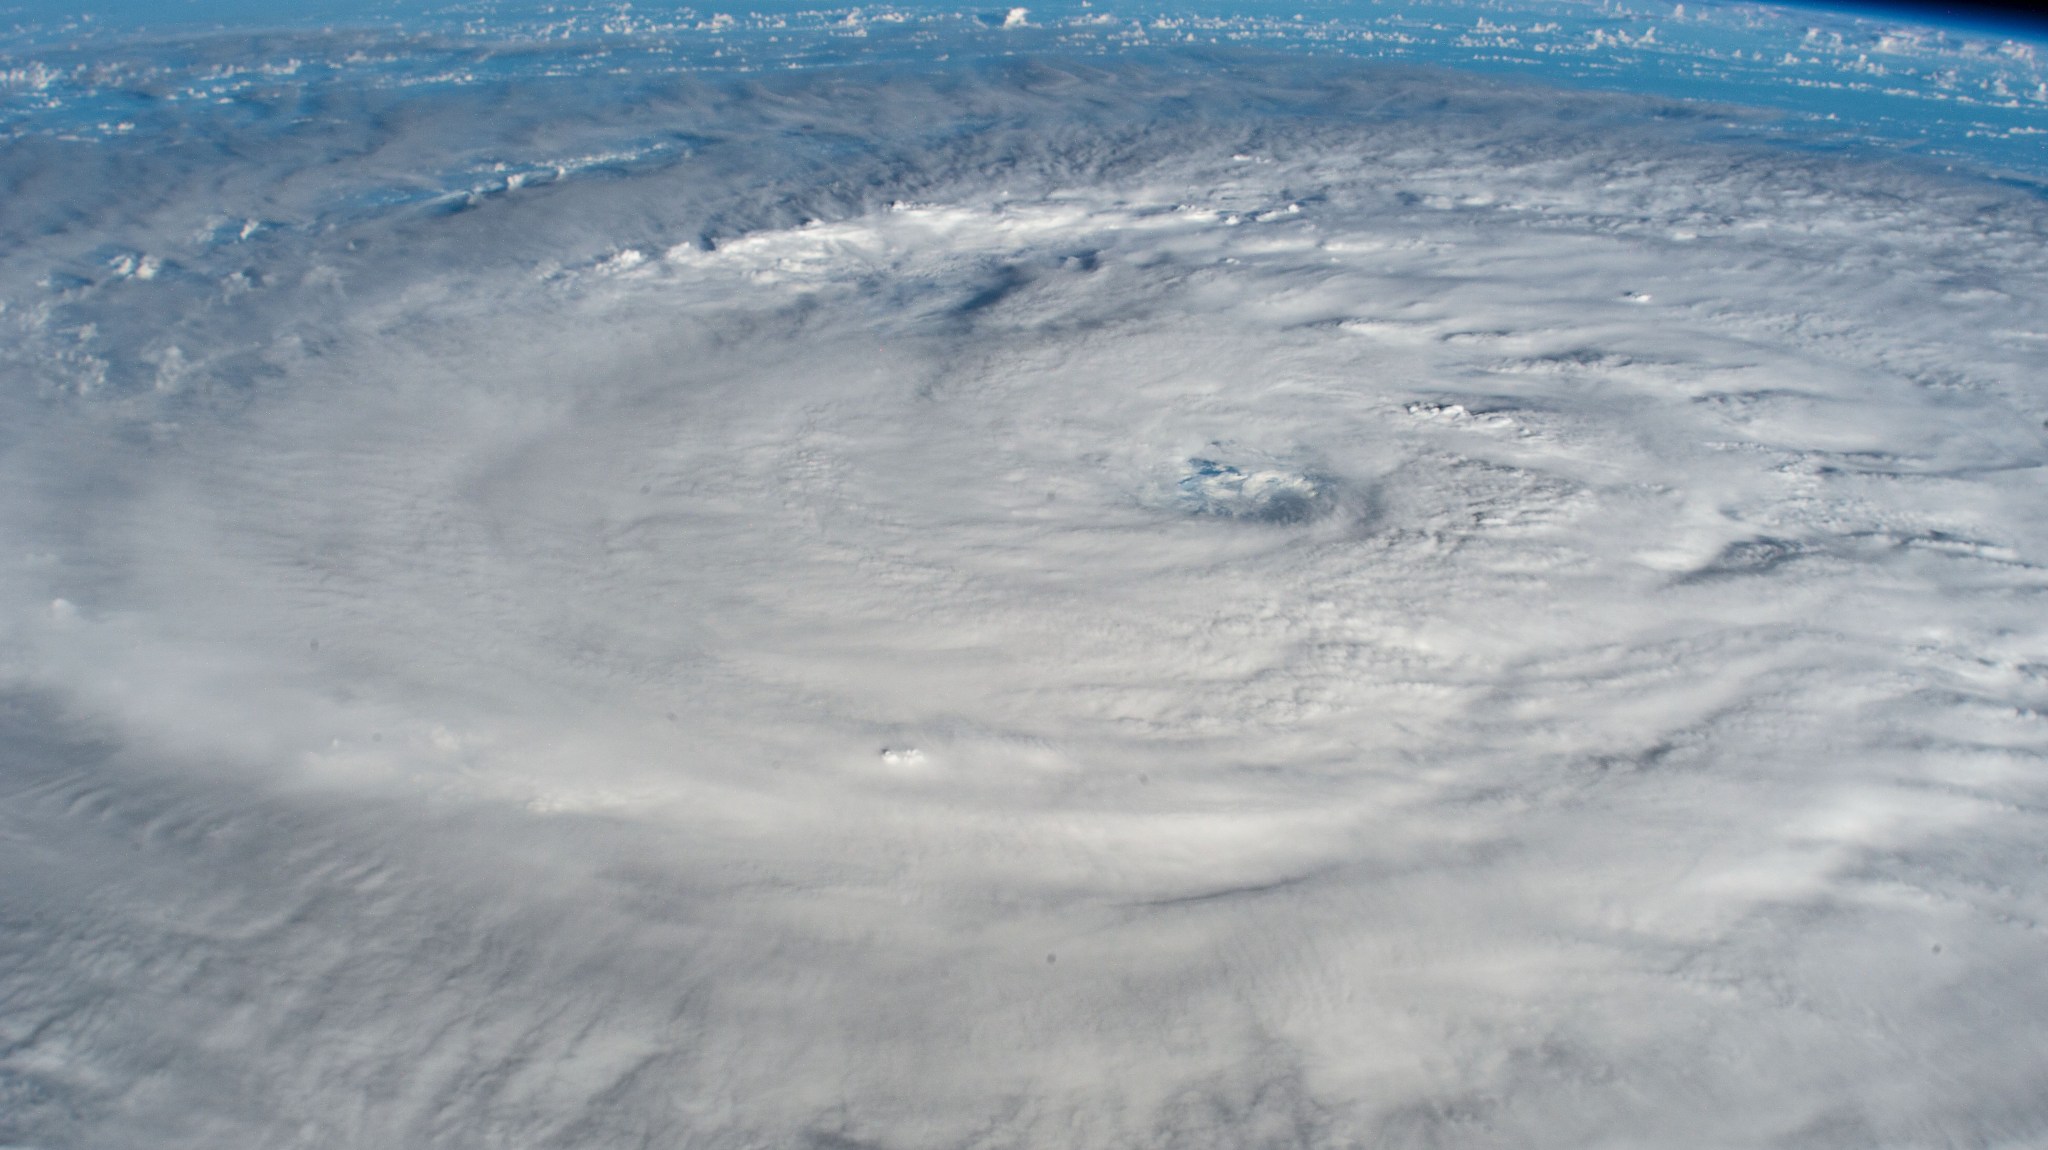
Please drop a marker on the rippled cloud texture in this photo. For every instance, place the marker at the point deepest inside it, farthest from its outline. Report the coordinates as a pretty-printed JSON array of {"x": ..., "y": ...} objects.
[{"x": 1192, "y": 601}]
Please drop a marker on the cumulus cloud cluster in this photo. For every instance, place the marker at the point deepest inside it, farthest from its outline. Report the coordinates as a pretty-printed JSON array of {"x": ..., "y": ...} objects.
[{"x": 1192, "y": 602}]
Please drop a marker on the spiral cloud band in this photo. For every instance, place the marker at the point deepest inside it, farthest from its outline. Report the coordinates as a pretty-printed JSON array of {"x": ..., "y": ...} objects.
[{"x": 1193, "y": 599}]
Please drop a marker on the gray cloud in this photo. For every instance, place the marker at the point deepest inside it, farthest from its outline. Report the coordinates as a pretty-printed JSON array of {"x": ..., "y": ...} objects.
[{"x": 736, "y": 643}]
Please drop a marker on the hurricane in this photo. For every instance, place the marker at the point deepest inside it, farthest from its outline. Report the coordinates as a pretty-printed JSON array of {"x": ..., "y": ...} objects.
[{"x": 1086, "y": 576}]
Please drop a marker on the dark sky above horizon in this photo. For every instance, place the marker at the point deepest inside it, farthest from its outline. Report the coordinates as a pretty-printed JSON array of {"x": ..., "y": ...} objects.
[{"x": 1990, "y": 15}]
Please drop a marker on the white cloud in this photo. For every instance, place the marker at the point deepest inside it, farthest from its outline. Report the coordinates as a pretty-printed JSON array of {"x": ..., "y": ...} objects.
[{"x": 837, "y": 682}]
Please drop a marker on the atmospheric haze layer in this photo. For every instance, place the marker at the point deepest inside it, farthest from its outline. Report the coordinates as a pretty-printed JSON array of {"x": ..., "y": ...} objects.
[{"x": 1191, "y": 596}]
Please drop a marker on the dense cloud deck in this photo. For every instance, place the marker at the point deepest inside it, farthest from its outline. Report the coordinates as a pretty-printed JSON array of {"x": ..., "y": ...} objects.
[{"x": 1199, "y": 601}]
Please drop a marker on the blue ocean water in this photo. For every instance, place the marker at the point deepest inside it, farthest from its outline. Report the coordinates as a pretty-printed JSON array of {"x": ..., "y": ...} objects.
[{"x": 1958, "y": 94}]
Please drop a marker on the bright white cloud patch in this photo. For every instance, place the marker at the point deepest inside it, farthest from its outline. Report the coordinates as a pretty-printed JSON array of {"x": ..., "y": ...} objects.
[{"x": 1165, "y": 605}]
